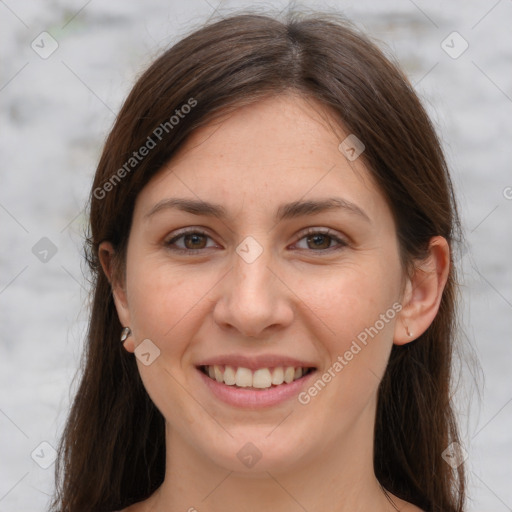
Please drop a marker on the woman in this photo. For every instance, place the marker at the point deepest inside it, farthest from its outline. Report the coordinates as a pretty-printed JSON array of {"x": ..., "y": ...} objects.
[{"x": 272, "y": 325}]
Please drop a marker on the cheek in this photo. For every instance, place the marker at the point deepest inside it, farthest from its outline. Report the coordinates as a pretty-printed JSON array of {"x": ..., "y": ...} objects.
[
  {"x": 165, "y": 307},
  {"x": 159, "y": 297},
  {"x": 165, "y": 302},
  {"x": 348, "y": 301},
  {"x": 358, "y": 308}
]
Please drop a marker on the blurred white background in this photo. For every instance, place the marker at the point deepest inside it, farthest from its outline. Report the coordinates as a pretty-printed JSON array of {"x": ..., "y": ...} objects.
[{"x": 57, "y": 108}]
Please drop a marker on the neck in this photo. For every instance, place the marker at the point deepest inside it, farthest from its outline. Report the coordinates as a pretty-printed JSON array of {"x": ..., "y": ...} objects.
[{"x": 338, "y": 478}]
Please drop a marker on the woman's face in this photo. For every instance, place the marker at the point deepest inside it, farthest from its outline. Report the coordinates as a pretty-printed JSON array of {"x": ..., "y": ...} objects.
[{"x": 263, "y": 246}]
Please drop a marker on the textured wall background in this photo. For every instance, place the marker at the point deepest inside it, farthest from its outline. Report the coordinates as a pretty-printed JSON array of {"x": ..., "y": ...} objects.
[{"x": 66, "y": 68}]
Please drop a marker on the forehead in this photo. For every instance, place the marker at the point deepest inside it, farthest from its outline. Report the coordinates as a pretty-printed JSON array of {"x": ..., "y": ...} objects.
[{"x": 282, "y": 148}]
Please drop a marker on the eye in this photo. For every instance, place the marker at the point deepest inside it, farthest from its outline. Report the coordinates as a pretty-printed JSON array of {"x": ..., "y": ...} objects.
[
  {"x": 320, "y": 240},
  {"x": 195, "y": 240},
  {"x": 190, "y": 241}
]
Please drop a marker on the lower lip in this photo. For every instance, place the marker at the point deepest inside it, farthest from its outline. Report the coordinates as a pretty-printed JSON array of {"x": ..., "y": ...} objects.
[{"x": 255, "y": 399}]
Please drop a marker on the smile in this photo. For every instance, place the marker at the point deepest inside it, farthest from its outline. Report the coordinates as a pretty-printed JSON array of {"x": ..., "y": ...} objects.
[{"x": 261, "y": 378}]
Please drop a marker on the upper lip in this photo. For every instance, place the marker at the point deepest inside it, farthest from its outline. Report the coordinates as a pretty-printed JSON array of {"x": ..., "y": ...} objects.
[{"x": 255, "y": 362}]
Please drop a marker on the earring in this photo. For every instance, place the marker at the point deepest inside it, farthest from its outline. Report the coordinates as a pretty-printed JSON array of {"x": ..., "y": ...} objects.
[
  {"x": 125, "y": 333},
  {"x": 409, "y": 333}
]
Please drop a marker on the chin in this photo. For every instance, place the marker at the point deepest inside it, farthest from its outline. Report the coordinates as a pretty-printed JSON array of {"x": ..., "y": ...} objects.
[{"x": 253, "y": 452}]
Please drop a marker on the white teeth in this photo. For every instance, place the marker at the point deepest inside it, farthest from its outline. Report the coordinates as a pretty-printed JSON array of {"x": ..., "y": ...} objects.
[
  {"x": 263, "y": 378},
  {"x": 243, "y": 377},
  {"x": 229, "y": 376},
  {"x": 219, "y": 377},
  {"x": 289, "y": 373},
  {"x": 278, "y": 376}
]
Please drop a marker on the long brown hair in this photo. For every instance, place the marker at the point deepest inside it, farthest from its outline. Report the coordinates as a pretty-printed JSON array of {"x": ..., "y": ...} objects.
[{"x": 112, "y": 452}]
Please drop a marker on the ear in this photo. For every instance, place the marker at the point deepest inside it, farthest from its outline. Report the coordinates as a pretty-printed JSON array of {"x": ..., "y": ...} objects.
[
  {"x": 106, "y": 254},
  {"x": 423, "y": 292}
]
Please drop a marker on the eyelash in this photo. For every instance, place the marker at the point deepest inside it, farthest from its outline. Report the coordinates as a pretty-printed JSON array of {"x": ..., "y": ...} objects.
[{"x": 310, "y": 231}]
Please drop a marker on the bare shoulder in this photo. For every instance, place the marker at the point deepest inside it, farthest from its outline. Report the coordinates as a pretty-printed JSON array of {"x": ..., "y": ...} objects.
[
  {"x": 409, "y": 507},
  {"x": 403, "y": 506}
]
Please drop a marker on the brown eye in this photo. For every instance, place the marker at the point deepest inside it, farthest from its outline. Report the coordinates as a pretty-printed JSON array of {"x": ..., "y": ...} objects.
[
  {"x": 190, "y": 241},
  {"x": 319, "y": 241},
  {"x": 194, "y": 241}
]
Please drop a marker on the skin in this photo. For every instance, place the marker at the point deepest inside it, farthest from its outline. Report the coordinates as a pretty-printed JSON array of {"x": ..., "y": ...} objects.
[{"x": 294, "y": 299}]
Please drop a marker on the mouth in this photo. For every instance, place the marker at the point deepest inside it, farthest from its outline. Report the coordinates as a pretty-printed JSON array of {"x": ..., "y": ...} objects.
[{"x": 259, "y": 379}]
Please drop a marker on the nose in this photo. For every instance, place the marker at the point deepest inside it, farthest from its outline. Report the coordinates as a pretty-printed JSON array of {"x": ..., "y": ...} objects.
[{"x": 253, "y": 299}]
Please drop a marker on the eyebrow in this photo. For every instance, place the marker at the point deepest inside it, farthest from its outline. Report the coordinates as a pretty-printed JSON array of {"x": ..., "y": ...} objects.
[{"x": 284, "y": 212}]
